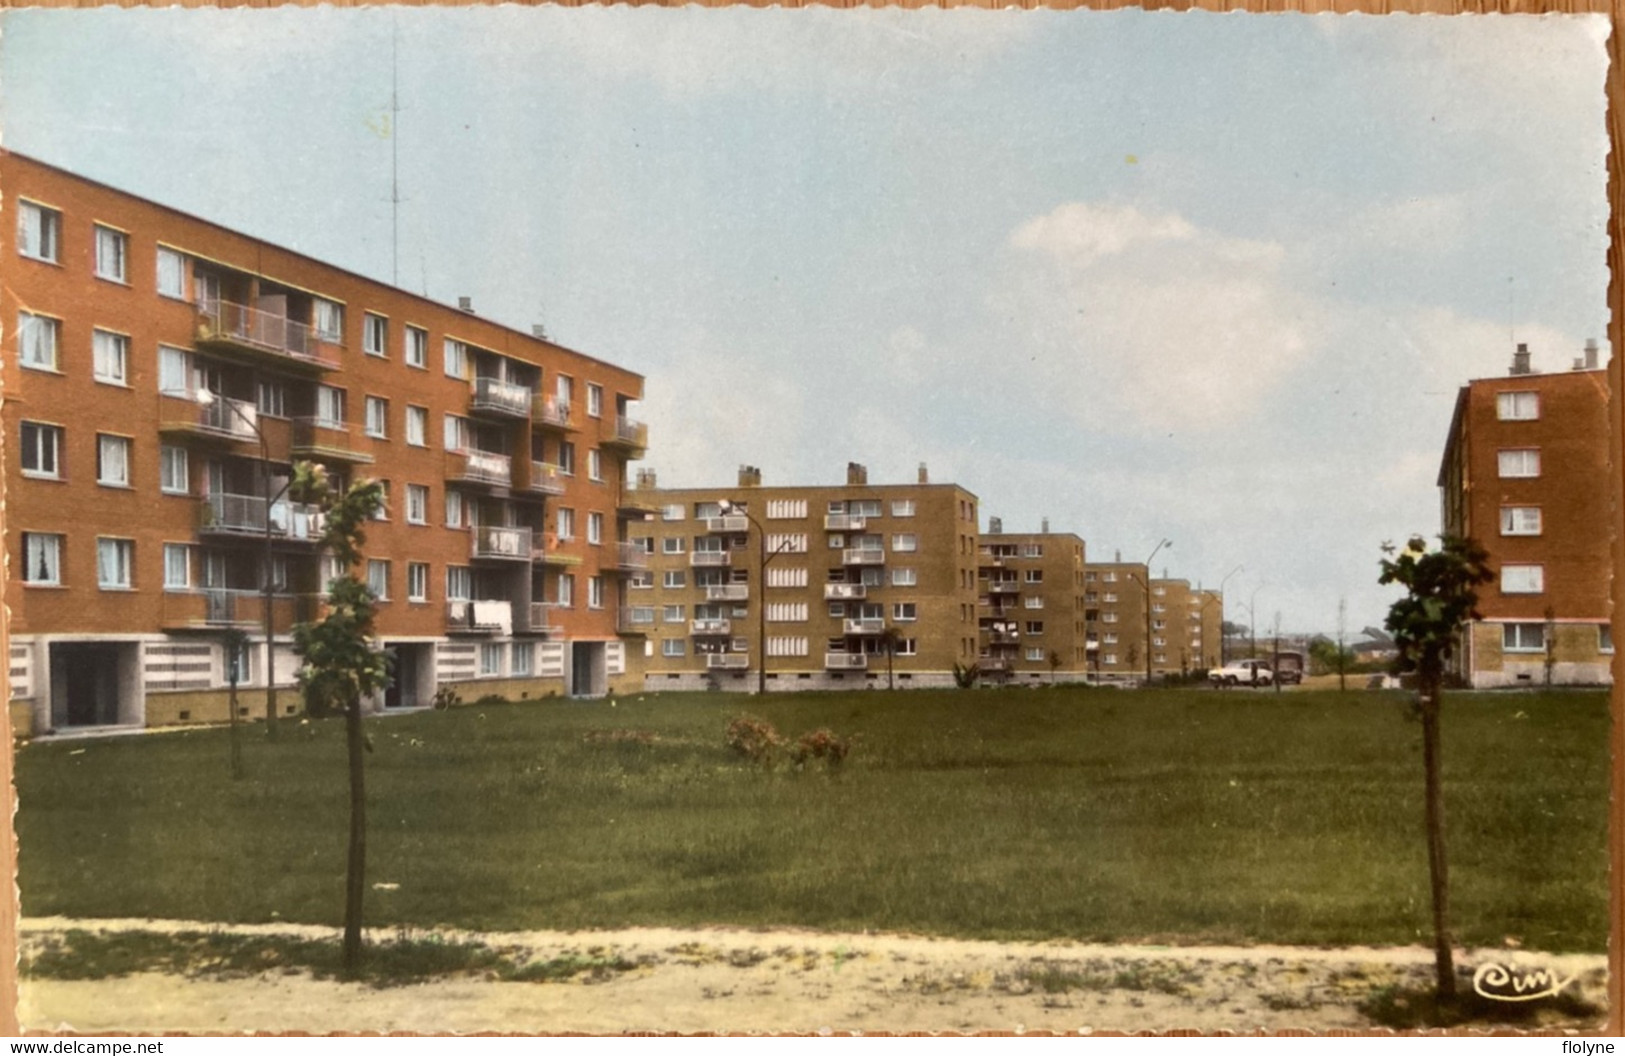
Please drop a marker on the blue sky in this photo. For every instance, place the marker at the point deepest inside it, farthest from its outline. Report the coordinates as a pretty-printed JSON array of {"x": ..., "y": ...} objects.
[{"x": 1208, "y": 277}]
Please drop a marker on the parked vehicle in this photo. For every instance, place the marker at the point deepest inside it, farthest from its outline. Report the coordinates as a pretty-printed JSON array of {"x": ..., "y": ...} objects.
[
  {"x": 1242, "y": 673},
  {"x": 1290, "y": 666}
]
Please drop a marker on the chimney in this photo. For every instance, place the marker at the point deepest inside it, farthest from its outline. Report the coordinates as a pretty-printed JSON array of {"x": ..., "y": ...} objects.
[
  {"x": 1579, "y": 364},
  {"x": 750, "y": 477},
  {"x": 1043, "y": 525},
  {"x": 1591, "y": 353},
  {"x": 538, "y": 331},
  {"x": 1520, "y": 359},
  {"x": 1118, "y": 557},
  {"x": 995, "y": 526},
  {"x": 856, "y": 474},
  {"x": 925, "y": 478},
  {"x": 465, "y": 304},
  {"x": 646, "y": 478}
]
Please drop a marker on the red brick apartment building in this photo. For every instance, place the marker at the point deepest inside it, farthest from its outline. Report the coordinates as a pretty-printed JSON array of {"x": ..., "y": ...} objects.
[
  {"x": 150, "y": 355},
  {"x": 1525, "y": 473}
]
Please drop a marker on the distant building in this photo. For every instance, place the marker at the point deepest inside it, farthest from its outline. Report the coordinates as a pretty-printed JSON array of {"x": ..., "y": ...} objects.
[
  {"x": 1030, "y": 606},
  {"x": 1525, "y": 473}
]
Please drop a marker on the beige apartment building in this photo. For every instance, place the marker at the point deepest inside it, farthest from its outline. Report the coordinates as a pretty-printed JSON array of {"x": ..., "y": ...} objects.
[
  {"x": 1030, "y": 606},
  {"x": 810, "y": 581},
  {"x": 1182, "y": 629}
]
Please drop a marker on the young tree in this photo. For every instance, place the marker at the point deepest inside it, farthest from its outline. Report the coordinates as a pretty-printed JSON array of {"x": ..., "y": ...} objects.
[
  {"x": 1440, "y": 596},
  {"x": 890, "y": 640},
  {"x": 341, "y": 665},
  {"x": 1054, "y": 665},
  {"x": 1342, "y": 645},
  {"x": 233, "y": 641}
]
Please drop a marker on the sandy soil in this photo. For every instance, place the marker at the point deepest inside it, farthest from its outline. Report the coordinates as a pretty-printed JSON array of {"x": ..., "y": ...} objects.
[{"x": 719, "y": 979}]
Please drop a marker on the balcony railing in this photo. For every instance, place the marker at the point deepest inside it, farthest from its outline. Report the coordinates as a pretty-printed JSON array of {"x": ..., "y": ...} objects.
[
  {"x": 223, "y": 607},
  {"x": 230, "y": 514},
  {"x": 864, "y": 625},
  {"x": 863, "y": 556},
  {"x": 501, "y": 542},
  {"x": 727, "y": 592},
  {"x": 495, "y": 396},
  {"x": 732, "y": 522},
  {"x": 845, "y": 522},
  {"x": 993, "y": 665},
  {"x": 474, "y": 466},
  {"x": 845, "y": 591},
  {"x": 710, "y": 559},
  {"x": 239, "y": 327},
  {"x": 631, "y": 556},
  {"x": 546, "y": 548},
  {"x": 483, "y": 617},
  {"x": 630, "y": 434},
  {"x": 544, "y": 478},
  {"x": 550, "y": 411},
  {"x": 320, "y": 437},
  {"x": 710, "y": 627},
  {"x": 1003, "y": 586},
  {"x": 714, "y": 661},
  {"x": 846, "y": 661},
  {"x": 541, "y": 618},
  {"x": 1003, "y": 637}
]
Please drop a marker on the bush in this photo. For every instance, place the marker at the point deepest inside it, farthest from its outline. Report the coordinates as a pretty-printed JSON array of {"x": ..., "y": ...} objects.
[
  {"x": 965, "y": 676},
  {"x": 821, "y": 744},
  {"x": 754, "y": 738},
  {"x": 446, "y": 697}
]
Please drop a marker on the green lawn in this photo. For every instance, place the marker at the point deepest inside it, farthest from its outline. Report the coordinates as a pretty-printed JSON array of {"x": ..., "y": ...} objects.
[{"x": 1089, "y": 814}]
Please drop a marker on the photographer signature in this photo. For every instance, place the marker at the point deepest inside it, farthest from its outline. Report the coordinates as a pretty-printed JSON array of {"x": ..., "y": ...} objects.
[{"x": 1509, "y": 982}]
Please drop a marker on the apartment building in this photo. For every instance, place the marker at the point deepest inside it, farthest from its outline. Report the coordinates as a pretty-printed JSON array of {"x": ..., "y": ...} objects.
[
  {"x": 163, "y": 374},
  {"x": 1030, "y": 606},
  {"x": 810, "y": 581},
  {"x": 1206, "y": 619},
  {"x": 1525, "y": 473},
  {"x": 1115, "y": 596}
]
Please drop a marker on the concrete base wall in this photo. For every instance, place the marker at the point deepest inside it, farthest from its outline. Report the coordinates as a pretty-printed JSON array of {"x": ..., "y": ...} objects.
[
  {"x": 21, "y": 713},
  {"x": 1579, "y": 661},
  {"x": 792, "y": 681}
]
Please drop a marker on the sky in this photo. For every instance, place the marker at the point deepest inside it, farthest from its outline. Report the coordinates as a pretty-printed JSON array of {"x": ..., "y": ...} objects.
[{"x": 1208, "y": 278}]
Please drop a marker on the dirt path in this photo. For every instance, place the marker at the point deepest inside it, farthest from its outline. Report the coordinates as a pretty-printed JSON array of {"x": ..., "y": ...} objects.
[{"x": 720, "y": 979}]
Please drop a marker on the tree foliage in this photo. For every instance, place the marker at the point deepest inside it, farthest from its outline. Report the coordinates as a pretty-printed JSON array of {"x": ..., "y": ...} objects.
[{"x": 1440, "y": 596}]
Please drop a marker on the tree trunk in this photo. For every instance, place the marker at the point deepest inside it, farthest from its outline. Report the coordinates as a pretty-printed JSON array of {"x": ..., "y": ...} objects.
[
  {"x": 356, "y": 876},
  {"x": 1438, "y": 868}
]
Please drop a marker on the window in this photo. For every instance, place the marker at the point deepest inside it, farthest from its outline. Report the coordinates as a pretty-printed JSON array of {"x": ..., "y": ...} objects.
[
  {"x": 523, "y": 652},
  {"x": 672, "y": 613},
  {"x": 1605, "y": 638},
  {"x": 177, "y": 566},
  {"x": 171, "y": 273},
  {"x": 42, "y": 559},
  {"x": 567, "y": 590},
  {"x": 42, "y": 447},
  {"x": 642, "y": 580},
  {"x": 459, "y": 583},
  {"x": 454, "y": 509},
  {"x": 417, "y": 426},
  {"x": 417, "y": 581},
  {"x": 173, "y": 475},
  {"x": 836, "y": 609},
  {"x": 1035, "y": 652},
  {"x": 1520, "y": 520},
  {"x": 595, "y": 528},
  {"x": 595, "y": 464},
  {"x": 454, "y": 433},
  {"x": 378, "y": 578},
  {"x": 567, "y": 457},
  {"x": 110, "y": 355},
  {"x": 1523, "y": 579},
  {"x": 332, "y": 570},
  {"x": 490, "y": 659},
  {"x": 904, "y": 577},
  {"x": 417, "y": 504},
  {"x": 671, "y": 544},
  {"x": 377, "y": 417},
  {"x": 37, "y": 340},
  {"x": 374, "y": 335},
  {"x": 671, "y": 647},
  {"x": 114, "y": 559},
  {"x": 329, "y": 407},
  {"x": 1519, "y": 462},
  {"x": 417, "y": 347},
  {"x": 674, "y": 580},
  {"x": 1523, "y": 637},
  {"x": 456, "y": 355},
  {"x": 595, "y": 400},
  {"x": 113, "y": 461},
  {"x": 1035, "y": 626},
  {"x": 566, "y": 523},
  {"x": 329, "y": 321},
  {"x": 674, "y": 512},
  {"x": 908, "y": 647},
  {"x": 111, "y": 249},
  {"x": 786, "y": 509},
  {"x": 271, "y": 398},
  {"x": 39, "y": 231},
  {"x": 1032, "y": 549},
  {"x": 595, "y": 592},
  {"x": 382, "y": 512},
  {"x": 905, "y": 543},
  {"x": 174, "y": 372},
  {"x": 1517, "y": 406},
  {"x": 902, "y": 508},
  {"x": 1035, "y": 575},
  {"x": 837, "y": 541},
  {"x": 904, "y": 611}
]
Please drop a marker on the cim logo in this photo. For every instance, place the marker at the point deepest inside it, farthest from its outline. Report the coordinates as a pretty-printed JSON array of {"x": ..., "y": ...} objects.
[{"x": 1509, "y": 982}]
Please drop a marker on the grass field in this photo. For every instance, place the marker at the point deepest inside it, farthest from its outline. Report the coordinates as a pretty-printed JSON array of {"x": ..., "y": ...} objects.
[{"x": 1089, "y": 814}]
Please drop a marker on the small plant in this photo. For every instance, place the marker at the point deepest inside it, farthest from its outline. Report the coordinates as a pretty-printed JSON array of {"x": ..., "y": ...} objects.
[
  {"x": 965, "y": 675},
  {"x": 754, "y": 738},
  {"x": 821, "y": 744},
  {"x": 446, "y": 697}
]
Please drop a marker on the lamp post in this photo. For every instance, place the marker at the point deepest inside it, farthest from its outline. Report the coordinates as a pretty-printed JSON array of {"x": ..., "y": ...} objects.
[
  {"x": 764, "y": 559},
  {"x": 1146, "y": 583},
  {"x": 1223, "y": 640},
  {"x": 205, "y": 398},
  {"x": 1252, "y": 629}
]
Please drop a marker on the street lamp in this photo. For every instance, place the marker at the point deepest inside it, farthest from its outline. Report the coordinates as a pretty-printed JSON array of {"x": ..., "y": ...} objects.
[
  {"x": 1252, "y": 628},
  {"x": 1146, "y": 583},
  {"x": 728, "y": 507},
  {"x": 1223, "y": 639},
  {"x": 205, "y": 398}
]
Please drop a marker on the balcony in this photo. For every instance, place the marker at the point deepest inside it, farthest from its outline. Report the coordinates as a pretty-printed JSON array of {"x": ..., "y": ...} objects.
[
  {"x": 549, "y": 412},
  {"x": 630, "y": 436},
  {"x": 863, "y": 556},
  {"x": 542, "y": 478},
  {"x": 845, "y": 522},
  {"x": 865, "y": 625},
  {"x": 1003, "y": 586},
  {"x": 625, "y": 624},
  {"x": 244, "y": 515},
  {"x": 631, "y": 557},
  {"x": 479, "y": 617},
  {"x": 845, "y": 591},
  {"x": 262, "y": 337},
  {"x": 737, "y": 661},
  {"x": 993, "y": 665},
  {"x": 542, "y": 619},
  {"x": 727, "y": 592},
  {"x": 224, "y": 418},
  {"x": 220, "y": 608},
  {"x": 846, "y": 661},
  {"x": 636, "y": 506},
  {"x": 710, "y": 559},
  {"x": 547, "y": 549},
  {"x": 324, "y": 439},
  {"x": 729, "y": 523},
  {"x": 710, "y": 627},
  {"x": 473, "y": 466},
  {"x": 500, "y": 543},
  {"x": 1003, "y": 637},
  {"x": 504, "y": 399}
]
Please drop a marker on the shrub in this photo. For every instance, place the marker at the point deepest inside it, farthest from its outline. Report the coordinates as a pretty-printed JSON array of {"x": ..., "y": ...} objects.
[
  {"x": 446, "y": 697},
  {"x": 965, "y": 676},
  {"x": 821, "y": 744},
  {"x": 754, "y": 738}
]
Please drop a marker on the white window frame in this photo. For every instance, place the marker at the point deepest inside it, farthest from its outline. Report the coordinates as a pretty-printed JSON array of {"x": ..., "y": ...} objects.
[
  {"x": 47, "y": 442},
  {"x": 174, "y": 464},
  {"x": 170, "y": 279},
  {"x": 377, "y": 425},
  {"x": 375, "y": 334},
  {"x": 415, "y": 347},
  {"x": 112, "y": 254},
  {"x": 595, "y": 527},
  {"x": 1512, "y": 463},
  {"x": 459, "y": 583},
  {"x": 455, "y": 513},
  {"x": 595, "y": 400},
  {"x": 595, "y": 592},
  {"x": 595, "y": 464},
  {"x": 39, "y": 232},
  {"x": 905, "y": 543},
  {"x": 565, "y": 524},
  {"x": 520, "y": 657},
  {"x": 330, "y": 399},
  {"x": 1523, "y": 579},
  {"x": 671, "y": 648},
  {"x": 905, "y": 577},
  {"x": 327, "y": 320},
  {"x": 1520, "y": 520},
  {"x": 119, "y": 556},
  {"x": 905, "y": 611},
  {"x": 417, "y": 581},
  {"x": 378, "y": 578},
  {"x": 177, "y": 559},
  {"x": 903, "y": 508},
  {"x": 417, "y": 426},
  {"x": 1515, "y": 633},
  {"x": 674, "y": 579},
  {"x": 113, "y": 460},
  {"x": 455, "y": 355},
  {"x": 492, "y": 656},
  {"x": 1519, "y": 406},
  {"x": 566, "y": 590},
  {"x": 39, "y": 342},
  {"x": 42, "y": 559},
  {"x": 671, "y": 544},
  {"x": 417, "y": 504}
]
